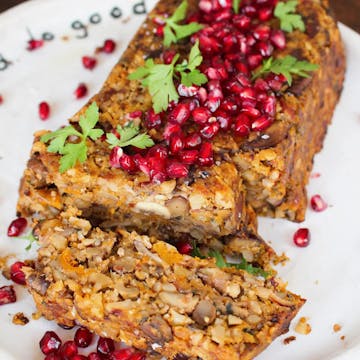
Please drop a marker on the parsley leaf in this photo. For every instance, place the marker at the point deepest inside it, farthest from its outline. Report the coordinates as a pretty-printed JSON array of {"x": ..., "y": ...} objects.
[
  {"x": 73, "y": 152},
  {"x": 222, "y": 263},
  {"x": 236, "y": 6},
  {"x": 173, "y": 32},
  {"x": 31, "y": 238},
  {"x": 289, "y": 21},
  {"x": 159, "y": 78},
  {"x": 286, "y": 66},
  {"x": 129, "y": 135}
]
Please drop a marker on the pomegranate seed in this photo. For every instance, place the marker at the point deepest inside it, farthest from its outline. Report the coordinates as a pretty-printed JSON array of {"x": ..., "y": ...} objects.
[
  {"x": 210, "y": 131},
  {"x": 138, "y": 356},
  {"x": 17, "y": 227},
  {"x": 254, "y": 60},
  {"x": 159, "y": 30},
  {"x": 261, "y": 84},
  {"x": 158, "y": 151},
  {"x": 318, "y": 204},
  {"x": 95, "y": 356},
  {"x": 261, "y": 123},
  {"x": 251, "y": 111},
  {"x": 265, "y": 13},
  {"x": 123, "y": 354},
  {"x": 261, "y": 32},
  {"x": 302, "y": 237},
  {"x": 152, "y": 120},
  {"x": 188, "y": 157},
  {"x": 115, "y": 156},
  {"x": 278, "y": 39},
  {"x": 201, "y": 115},
  {"x": 44, "y": 110},
  {"x": 265, "y": 48},
  {"x": 202, "y": 95},
  {"x": 50, "y": 343},
  {"x": 213, "y": 103},
  {"x": 171, "y": 129},
  {"x": 53, "y": 356},
  {"x": 79, "y": 357},
  {"x": 229, "y": 106},
  {"x": 105, "y": 346},
  {"x": 83, "y": 337},
  {"x": 209, "y": 45},
  {"x": 269, "y": 105},
  {"x": 212, "y": 74},
  {"x": 242, "y": 22},
  {"x": 16, "y": 274},
  {"x": 242, "y": 125},
  {"x": 168, "y": 56},
  {"x": 180, "y": 114},
  {"x": 249, "y": 10},
  {"x": 187, "y": 91},
  {"x": 7, "y": 295},
  {"x": 206, "y": 157},
  {"x": 192, "y": 140},
  {"x": 243, "y": 80},
  {"x": 89, "y": 62},
  {"x": 34, "y": 44},
  {"x": 206, "y": 6},
  {"x": 1, "y": 100},
  {"x": 108, "y": 47},
  {"x": 175, "y": 170},
  {"x": 81, "y": 91},
  {"x": 223, "y": 119},
  {"x": 135, "y": 114},
  {"x": 184, "y": 247},
  {"x": 176, "y": 144},
  {"x": 247, "y": 93},
  {"x": 68, "y": 350},
  {"x": 142, "y": 164}
]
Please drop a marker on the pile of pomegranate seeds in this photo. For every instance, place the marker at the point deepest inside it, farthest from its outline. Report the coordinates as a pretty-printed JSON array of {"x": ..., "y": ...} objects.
[
  {"x": 302, "y": 237},
  {"x": 44, "y": 110},
  {"x": 7, "y": 295},
  {"x": 232, "y": 45},
  {"x": 51, "y": 346},
  {"x": 17, "y": 227},
  {"x": 318, "y": 204}
]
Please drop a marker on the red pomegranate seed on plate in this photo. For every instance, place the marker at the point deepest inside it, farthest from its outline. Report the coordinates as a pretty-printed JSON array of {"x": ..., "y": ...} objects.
[
  {"x": 83, "y": 337},
  {"x": 261, "y": 123},
  {"x": 302, "y": 237},
  {"x": 17, "y": 227},
  {"x": 122, "y": 354},
  {"x": 176, "y": 170},
  {"x": 68, "y": 350},
  {"x": 115, "y": 156},
  {"x": 318, "y": 204},
  {"x": 184, "y": 247},
  {"x": 105, "y": 346},
  {"x": 50, "y": 343},
  {"x": 44, "y": 110},
  {"x": 16, "y": 274},
  {"x": 109, "y": 46},
  {"x": 89, "y": 62},
  {"x": 206, "y": 156},
  {"x": 81, "y": 91},
  {"x": 7, "y": 295},
  {"x": 188, "y": 157},
  {"x": 34, "y": 44},
  {"x": 1, "y": 100}
]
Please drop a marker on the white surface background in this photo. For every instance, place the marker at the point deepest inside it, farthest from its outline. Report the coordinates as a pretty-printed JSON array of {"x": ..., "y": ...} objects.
[{"x": 327, "y": 273}]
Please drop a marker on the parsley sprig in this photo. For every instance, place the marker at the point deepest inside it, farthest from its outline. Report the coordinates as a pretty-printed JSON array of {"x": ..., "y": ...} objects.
[
  {"x": 236, "y": 6},
  {"x": 289, "y": 21},
  {"x": 129, "y": 135},
  {"x": 73, "y": 152},
  {"x": 31, "y": 238},
  {"x": 159, "y": 78},
  {"x": 286, "y": 66},
  {"x": 173, "y": 31},
  {"x": 222, "y": 263}
]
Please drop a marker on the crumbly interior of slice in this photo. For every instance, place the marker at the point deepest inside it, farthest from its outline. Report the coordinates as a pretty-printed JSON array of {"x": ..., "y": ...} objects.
[{"x": 140, "y": 290}]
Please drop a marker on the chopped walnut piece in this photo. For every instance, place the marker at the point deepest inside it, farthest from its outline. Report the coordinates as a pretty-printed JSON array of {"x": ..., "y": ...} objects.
[
  {"x": 20, "y": 319},
  {"x": 303, "y": 327},
  {"x": 289, "y": 339}
]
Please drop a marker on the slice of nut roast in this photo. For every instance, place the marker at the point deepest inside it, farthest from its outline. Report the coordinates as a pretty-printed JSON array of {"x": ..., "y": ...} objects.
[{"x": 140, "y": 290}]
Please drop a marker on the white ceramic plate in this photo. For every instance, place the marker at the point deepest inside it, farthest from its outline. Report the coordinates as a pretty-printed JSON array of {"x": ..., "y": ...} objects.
[{"x": 327, "y": 273}]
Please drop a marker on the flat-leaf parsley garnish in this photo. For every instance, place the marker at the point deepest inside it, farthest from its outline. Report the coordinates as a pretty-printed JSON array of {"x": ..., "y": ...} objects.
[
  {"x": 289, "y": 21},
  {"x": 76, "y": 151},
  {"x": 236, "y": 6},
  {"x": 286, "y": 66},
  {"x": 159, "y": 78},
  {"x": 173, "y": 31},
  {"x": 129, "y": 135}
]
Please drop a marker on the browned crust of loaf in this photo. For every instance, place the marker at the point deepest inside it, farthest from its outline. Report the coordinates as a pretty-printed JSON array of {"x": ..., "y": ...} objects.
[
  {"x": 88, "y": 276},
  {"x": 275, "y": 170}
]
